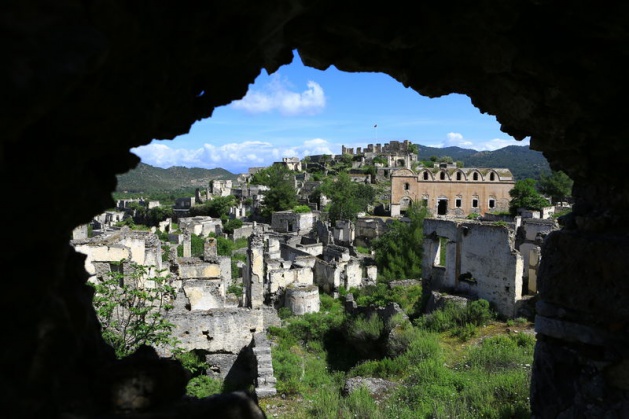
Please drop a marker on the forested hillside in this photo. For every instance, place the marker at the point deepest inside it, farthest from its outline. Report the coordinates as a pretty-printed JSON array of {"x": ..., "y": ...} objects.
[
  {"x": 146, "y": 178},
  {"x": 521, "y": 160}
]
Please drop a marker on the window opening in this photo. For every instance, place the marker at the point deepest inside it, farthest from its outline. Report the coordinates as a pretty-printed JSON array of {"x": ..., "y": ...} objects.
[
  {"x": 442, "y": 207},
  {"x": 442, "y": 176},
  {"x": 441, "y": 256},
  {"x": 474, "y": 203},
  {"x": 475, "y": 176},
  {"x": 458, "y": 202}
]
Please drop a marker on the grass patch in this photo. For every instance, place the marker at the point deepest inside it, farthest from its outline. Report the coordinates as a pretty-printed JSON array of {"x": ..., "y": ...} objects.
[{"x": 439, "y": 375}]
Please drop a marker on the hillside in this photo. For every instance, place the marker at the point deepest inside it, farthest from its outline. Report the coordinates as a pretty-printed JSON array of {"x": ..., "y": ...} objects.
[
  {"x": 521, "y": 160},
  {"x": 146, "y": 178}
]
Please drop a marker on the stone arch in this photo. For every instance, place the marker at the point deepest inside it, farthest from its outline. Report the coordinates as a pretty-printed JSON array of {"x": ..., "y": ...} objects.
[
  {"x": 62, "y": 83},
  {"x": 405, "y": 203}
]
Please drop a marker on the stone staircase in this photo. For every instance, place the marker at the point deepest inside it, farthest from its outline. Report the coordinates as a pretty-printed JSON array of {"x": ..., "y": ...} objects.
[{"x": 265, "y": 381}]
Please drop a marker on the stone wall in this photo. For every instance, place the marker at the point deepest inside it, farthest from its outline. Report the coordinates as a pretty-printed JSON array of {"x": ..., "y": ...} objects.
[
  {"x": 481, "y": 260},
  {"x": 201, "y": 226},
  {"x": 217, "y": 330},
  {"x": 291, "y": 222}
]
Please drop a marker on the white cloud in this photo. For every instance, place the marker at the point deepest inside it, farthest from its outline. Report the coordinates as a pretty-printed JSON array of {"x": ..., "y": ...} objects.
[
  {"x": 455, "y": 139},
  {"x": 276, "y": 95},
  {"x": 235, "y": 157}
]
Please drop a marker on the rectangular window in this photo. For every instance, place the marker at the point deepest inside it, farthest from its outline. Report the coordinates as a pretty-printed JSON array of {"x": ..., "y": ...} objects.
[
  {"x": 492, "y": 203},
  {"x": 474, "y": 203},
  {"x": 457, "y": 202}
]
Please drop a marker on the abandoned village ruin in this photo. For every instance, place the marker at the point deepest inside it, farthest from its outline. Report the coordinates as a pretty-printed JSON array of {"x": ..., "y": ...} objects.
[
  {"x": 298, "y": 255},
  {"x": 84, "y": 83}
]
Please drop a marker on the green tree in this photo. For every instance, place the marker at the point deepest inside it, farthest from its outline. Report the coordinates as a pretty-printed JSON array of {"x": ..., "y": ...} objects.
[
  {"x": 413, "y": 149},
  {"x": 348, "y": 198},
  {"x": 524, "y": 195},
  {"x": 399, "y": 249},
  {"x": 556, "y": 184},
  {"x": 281, "y": 195},
  {"x": 131, "y": 307},
  {"x": 232, "y": 225},
  {"x": 217, "y": 207},
  {"x": 157, "y": 214}
]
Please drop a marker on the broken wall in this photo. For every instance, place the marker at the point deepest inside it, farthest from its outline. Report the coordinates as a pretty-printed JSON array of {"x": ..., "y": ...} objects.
[{"x": 480, "y": 260}]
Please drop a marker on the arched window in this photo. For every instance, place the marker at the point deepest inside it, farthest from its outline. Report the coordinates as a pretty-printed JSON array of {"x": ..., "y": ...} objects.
[
  {"x": 492, "y": 176},
  {"x": 458, "y": 175},
  {"x": 442, "y": 176},
  {"x": 475, "y": 177},
  {"x": 425, "y": 175}
]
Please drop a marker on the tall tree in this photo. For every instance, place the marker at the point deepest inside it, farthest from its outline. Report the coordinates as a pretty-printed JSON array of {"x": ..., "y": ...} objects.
[
  {"x": 217, "y": 207},
  {"x": 524, "y": 195},
  {"x": 399, "y": 250},
  {"x": 348, "y": 198},
  {"x": 281, "y": 195},
  {"x": 557, "y": 185}
]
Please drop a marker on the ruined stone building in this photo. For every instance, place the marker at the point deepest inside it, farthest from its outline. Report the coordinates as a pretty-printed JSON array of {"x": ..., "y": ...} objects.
[
  {"x": 451, "y": 191},
  {"x": 291, "y": 163},
  {"x": 84, "y": 83},
  {"x": 396, "y": 153},
  {"x": 299, "y": 256},
  {"x": 220, "y": 187},
  {"x": 207, "y": 320},
  {"x": 497, "y": 262}
]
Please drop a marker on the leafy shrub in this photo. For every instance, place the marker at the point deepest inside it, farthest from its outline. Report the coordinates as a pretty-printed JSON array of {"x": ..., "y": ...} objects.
[
  {"x": 301, "y": 209},
  {"x": 241, "y": 243},
  {"x": 363, "y": 250},
  {"x": 363, "y": 328},
  {"x": 460, "y": 320},
  {"x": 284, "y": 313},
  {"x": 192, "y": 361},
  {"x": 203, "y": 386},
  {"x": 131, "y": 305},
  {"x": 232, "y": 225},
  {"x": 235, "y": 289}
]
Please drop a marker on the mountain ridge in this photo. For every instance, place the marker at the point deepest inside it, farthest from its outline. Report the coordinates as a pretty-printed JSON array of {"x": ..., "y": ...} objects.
[
  {"x": 146, "y": 178},
  {"x": 521, "y": 160}
]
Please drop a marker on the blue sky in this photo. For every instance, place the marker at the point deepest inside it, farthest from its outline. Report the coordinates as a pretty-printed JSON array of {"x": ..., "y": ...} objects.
[{"x": 299, "y": 111}]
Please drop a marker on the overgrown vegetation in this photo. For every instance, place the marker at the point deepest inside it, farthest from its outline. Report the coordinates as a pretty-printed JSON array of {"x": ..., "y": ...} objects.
[
  {"x": 399, "y": 249},
  {"x": 348, "y": 198},
  {"x": 130, "y": 306},
  {"x": 433, "y": 376},
  {"x": 525, "y": 195}
]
